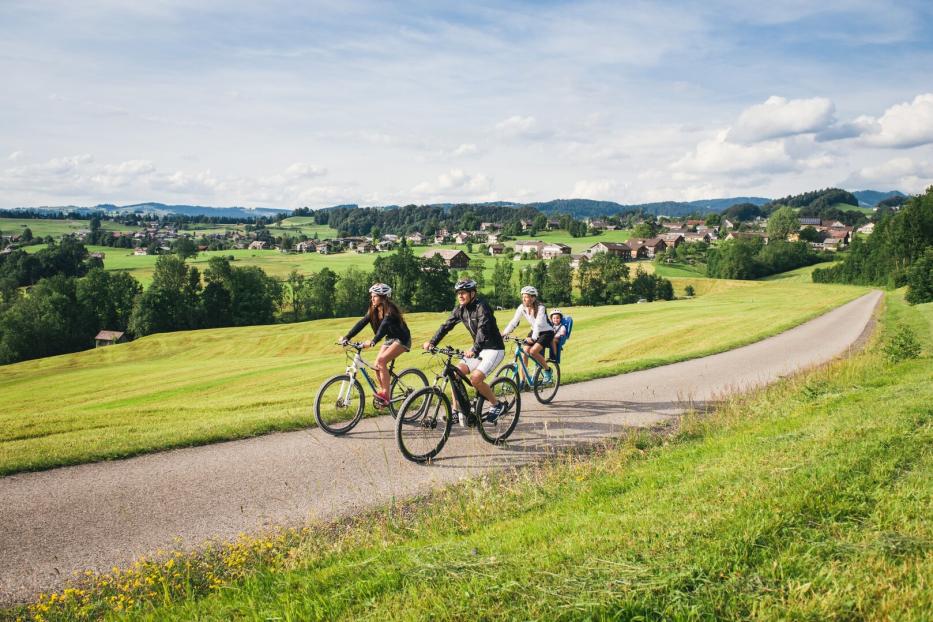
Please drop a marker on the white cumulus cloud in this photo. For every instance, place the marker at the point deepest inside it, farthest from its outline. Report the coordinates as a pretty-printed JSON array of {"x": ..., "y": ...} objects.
[
  {"x": 719, "y": 156},
  {"x": 456, "y": 183},
  {"x": 904, "y": 125},
  {"x": 520, "y": 128},
  {"x": 303, "y": 170},
  {"x": 779, "y": 117},
  {"x": 903, "y": 173},
  {"x": 599, "y": 189}
]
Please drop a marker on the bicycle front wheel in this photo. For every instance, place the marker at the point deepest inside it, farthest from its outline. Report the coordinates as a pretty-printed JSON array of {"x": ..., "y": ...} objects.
[
  {"x": 423, "y": 424},
  {"x": 545, "y": 391},
  {"x": 404, "y": 384},
  {"x": 339, "y": 404},
  {"x": 496, "y": 430}
]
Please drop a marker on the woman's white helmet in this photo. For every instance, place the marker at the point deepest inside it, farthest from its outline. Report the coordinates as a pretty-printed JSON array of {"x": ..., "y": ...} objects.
[
  {"x": 531, "y": 290},
  {"x": 380, "y": 289}
]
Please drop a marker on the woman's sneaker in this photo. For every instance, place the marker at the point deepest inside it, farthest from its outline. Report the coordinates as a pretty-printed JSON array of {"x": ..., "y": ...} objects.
[
  {"x": 547, "y": 377},
  {"x": 457, "y": 417}
]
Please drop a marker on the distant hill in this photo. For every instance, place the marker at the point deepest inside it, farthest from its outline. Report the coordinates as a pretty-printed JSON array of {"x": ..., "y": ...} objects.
[
  {"x": 578, "y": 208},
  {"x": 871, "y": 198},
  {"x": 586, "y": 208},
  {"x": 162, "y": 209}
]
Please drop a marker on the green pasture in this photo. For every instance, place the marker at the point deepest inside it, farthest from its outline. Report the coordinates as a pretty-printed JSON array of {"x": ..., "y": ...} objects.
[
  {"x": 42, "y": 227},
  {"x": 807, "y": 500},
  {"x": 196, "y": 387},
  {"x": 274, "y": 263}
]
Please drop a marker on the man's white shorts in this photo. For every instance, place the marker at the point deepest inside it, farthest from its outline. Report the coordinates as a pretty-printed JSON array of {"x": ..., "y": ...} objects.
[{"x": 486, "y": 361}]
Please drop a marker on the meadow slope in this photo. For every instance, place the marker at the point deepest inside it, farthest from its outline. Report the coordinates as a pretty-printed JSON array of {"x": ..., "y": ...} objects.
[{"x": 198, "y": 387}]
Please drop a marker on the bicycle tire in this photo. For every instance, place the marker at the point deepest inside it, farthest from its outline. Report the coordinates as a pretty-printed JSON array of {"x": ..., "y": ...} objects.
[
  {"x": 422, "y": 434},
  {"x": 404, "y": 384},
  {"x": 545, "y": 393},
  {"x": 496, "y": 432},
  {"x": 338, "y": 417}
]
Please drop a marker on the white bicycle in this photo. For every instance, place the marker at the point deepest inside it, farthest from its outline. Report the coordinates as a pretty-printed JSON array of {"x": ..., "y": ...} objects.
[{"x": 340, "y": 402}]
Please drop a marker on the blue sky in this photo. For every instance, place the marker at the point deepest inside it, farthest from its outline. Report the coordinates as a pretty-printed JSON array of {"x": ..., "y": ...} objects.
[{"x": 317, "y": 103}]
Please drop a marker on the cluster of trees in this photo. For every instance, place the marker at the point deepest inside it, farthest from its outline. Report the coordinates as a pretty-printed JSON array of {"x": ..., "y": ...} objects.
[
  {"x": 752, "y": 258},
  {"x": 229, "y": 296},
  {"x": 824, "y": 204},
  {"x": 554, "y": 280},
  {"x": 19, "y": 268},
  {"x": 816, "y": 199},
  {"x": 689, "y": 253},
  {"x": 70, "y": 300},
  {"x": 605, "y": 280},
  {"x": 896, "y": 253}
]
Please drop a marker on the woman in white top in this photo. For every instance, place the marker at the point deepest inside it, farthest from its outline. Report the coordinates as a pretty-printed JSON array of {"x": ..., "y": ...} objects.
[{"x": 542, "y": 333}]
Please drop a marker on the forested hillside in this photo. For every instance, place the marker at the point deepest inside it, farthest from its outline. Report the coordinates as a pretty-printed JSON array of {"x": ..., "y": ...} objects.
[{"x": 899, "y": 252}]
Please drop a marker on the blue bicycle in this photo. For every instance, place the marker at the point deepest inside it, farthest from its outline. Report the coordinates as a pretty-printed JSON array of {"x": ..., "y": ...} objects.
[{"x": 544, "y": 384}]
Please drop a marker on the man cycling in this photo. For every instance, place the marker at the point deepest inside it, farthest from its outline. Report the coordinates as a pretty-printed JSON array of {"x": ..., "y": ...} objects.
[{"x": 488, "y": 348}]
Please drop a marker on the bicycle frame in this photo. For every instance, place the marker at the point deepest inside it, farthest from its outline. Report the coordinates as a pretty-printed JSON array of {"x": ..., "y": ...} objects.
[
  {"x": 452, "y": 374},
  {"x": 358, "y": 365},
  {"x": 518, "y": 361}
]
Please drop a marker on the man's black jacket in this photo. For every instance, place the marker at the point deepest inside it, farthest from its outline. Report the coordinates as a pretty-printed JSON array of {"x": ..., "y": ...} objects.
[{"x": 478, "y": 317}]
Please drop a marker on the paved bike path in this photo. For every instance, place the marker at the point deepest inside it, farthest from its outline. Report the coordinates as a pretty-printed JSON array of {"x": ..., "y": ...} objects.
[{"x": 95, "y": 516}]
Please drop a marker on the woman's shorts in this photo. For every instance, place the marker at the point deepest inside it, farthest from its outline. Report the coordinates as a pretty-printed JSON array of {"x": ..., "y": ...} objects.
[
  {"x": 407, "y": 346},
  {"x": 486, "y": 361},
  {"x": 544, "y": 339}
]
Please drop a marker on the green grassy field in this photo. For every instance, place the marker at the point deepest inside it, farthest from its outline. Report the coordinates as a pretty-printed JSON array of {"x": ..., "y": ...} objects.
[
  {"x": 203, "y": 386},
  {"x": 807, "y": 500},
  {"x": 42, "y": 227},
  {"x": 274, "y": 263}
]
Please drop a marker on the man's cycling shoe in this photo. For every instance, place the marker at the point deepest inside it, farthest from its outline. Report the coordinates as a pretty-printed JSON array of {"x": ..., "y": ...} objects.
[{"x": 495, "y": 412}]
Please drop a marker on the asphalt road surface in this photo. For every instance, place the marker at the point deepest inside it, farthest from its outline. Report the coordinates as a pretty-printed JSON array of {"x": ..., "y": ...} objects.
[{"x": 96, "y": 516}]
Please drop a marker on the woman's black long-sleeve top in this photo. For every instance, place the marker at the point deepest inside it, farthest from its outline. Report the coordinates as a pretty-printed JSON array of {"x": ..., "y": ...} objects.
[{"x": 391, "y": 326}]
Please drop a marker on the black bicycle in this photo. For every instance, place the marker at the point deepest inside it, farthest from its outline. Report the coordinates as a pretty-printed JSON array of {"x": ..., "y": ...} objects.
[
  {"x": 339, "y": 404},
  {"x": 425, "y": 418}
]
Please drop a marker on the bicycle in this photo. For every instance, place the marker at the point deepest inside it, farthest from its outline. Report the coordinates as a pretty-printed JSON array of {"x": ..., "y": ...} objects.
[
  {"x": 424, "y": 422},
  {"x": 544, "y": 391},
  {"x": 340, "y": 402}
]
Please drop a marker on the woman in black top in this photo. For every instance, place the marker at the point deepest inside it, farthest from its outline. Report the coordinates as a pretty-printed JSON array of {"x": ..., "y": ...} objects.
[{"x": 386, "y": 320}]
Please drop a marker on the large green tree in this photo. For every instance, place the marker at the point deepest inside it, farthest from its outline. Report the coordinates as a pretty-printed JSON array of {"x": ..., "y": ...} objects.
[
  {"x": 558, "y": 287},
  {"x": 171, "y": 302},
  {"x": 782, "y": 223},
  {"x": 502, "y": 288}
]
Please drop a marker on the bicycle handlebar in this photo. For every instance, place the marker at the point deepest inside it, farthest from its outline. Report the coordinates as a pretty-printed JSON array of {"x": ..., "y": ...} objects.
[
  {"x": 356, "y": 345},
  {"x": 445, "y": 351}
]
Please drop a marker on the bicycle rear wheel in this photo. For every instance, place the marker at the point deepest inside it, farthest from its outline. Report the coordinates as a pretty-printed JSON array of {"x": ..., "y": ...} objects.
[
  {"x": 404, "y": 384},
  {"x": 501, "y": 428},
  {"x": 423, "y": 424},
  {"x": 545, "y": 391},
  {"x": 339, "y": 404}
]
